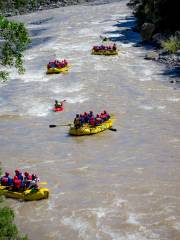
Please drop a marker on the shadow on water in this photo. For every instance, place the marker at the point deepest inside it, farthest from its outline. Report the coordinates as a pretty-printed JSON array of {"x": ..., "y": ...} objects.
[
  {"x": 38, "y": 41},
  {"x": 36, "y": 32},
  {"x": 39, "y": 22},
  {"x": 125, "y": 33},
  {"x": 174, "y": 74}
]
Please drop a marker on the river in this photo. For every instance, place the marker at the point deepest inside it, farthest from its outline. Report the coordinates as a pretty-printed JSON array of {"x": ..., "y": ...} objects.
[{"x": 120, "y": 185}]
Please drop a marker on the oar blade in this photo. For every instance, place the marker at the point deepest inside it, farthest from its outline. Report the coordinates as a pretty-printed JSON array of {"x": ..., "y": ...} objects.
[
  {"x": 43, "y": 183},
  {"x": 52, "y": 126},
  {"x": 113, "y": 129}
]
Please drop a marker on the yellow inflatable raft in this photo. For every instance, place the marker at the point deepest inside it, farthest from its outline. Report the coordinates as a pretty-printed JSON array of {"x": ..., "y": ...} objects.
[
  {"x": 105, "y": 52},
  {"x": 88, "y": 130},
  {"x": 57, "y": 70},
  {"x": 28, "y": 195}
]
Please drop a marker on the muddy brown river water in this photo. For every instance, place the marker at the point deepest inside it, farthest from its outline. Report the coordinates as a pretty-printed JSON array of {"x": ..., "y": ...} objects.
[{"x": 122, "y": 185}]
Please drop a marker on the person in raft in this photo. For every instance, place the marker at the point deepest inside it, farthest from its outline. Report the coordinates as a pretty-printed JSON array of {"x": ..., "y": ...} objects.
[
  {"x": 57, "y": 64},
  {"x": 20, "y": 182},
  {"x": 58, "y": 104},
  {"x": 114, "y": 47},
  {"x": 88, "y": 118},
  {"x": 6, "y": 180}
]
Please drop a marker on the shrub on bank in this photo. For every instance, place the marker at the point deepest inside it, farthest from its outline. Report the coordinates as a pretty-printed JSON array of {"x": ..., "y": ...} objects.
[
  {"x": 164, "y": 14},
  {"x": 172, "y": 45}
]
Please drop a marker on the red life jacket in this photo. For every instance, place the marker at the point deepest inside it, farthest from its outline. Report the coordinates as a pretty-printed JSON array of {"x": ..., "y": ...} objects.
[
  {"x": 28, "y": 177},
  {"x": 4, "y": 181},
  {"x": 17, "y": 183},
  {"x": 91, "y": 121}
]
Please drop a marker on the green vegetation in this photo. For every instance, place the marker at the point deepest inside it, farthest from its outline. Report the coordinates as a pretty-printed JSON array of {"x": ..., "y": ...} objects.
[
  {"x": 21, "y": 6},
  {"x": 15, "y": 39},
  {"x": 163, "y": 13},
  {"x": 8, "y": 229},
  {"x": 172, "y": 45}
]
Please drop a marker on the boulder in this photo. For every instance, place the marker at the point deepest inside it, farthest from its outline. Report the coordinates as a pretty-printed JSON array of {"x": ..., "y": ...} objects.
[
  {"x": 158, "y": 38},
  {"x": 152, "y": 56},
  {"x": 147, "y": 30}
]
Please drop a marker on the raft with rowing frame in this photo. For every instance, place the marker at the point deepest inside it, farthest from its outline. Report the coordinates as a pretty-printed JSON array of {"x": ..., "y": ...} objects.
[
  {"x": 57, "y": 70},
  {"x": 88, "y": 130},
  {"x": 105, "y": 52},
  {"x": 28, "y": 195}
]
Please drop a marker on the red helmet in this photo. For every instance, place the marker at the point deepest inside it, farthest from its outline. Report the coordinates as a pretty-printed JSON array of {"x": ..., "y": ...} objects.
[
  {"x": 15, "y": 177},
  {"x": 6, "y": 173},
  {"x": 26, "y": 174},
  {"x": 17, "y": 171}
]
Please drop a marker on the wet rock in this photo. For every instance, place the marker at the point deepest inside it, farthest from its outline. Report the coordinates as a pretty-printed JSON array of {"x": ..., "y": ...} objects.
[
  {"x": 158, "y": 38},
  {"x": 152, "y": 56},
  {"x": 147, "y": 30},
  {"x": 170, "y": 59}
]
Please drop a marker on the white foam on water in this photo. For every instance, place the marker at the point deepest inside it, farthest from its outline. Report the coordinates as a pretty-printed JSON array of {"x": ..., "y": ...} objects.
[
  {"x": 146, "y": 107},
  {"x": 84, "y": 168},
  {"x": 95, "y": 22},
  {"x": 147, "y": 75},
  {"x": 175, "y": 140},
  {"x": 78, "y": 224},
  {"x": 70, "y": 48},
  {"x": 72, "y": 88},
  {"x": 144, "y": 79},
  {"x": 78, "y": 99},
  {"x": 161, "y": 107},
  {"x": 35, "y": 109},
  {"x": 109, "y": 28},
  {"x": 177, "y": 225},
  {"x": 126, "y": 45},
  {"x": 34, "y": 76},
  {"x": 88, "y": 32},
  {"x": 119, "y": 202},
  {"x": 132, "y": 219},
  {"x": 30, "y": 56},
  {"x": 2, "y": 101},
  {"x": 115, "y": 35},
  {"x": 173, "y": 99},
  {"x": 119, "y": 16},
  {"x": 100, "y": 212},
  {"x": 100, "y": 67}
]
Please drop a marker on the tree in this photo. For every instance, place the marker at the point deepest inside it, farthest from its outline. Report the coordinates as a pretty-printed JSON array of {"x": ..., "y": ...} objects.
[
  {"x": 163, "y": 13},
  {"x": 14, "y": 38}
]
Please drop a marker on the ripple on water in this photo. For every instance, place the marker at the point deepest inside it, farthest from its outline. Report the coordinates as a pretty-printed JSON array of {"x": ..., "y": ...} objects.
[
  {"x": 148, "y": 107},
  {"x": 177, "y": 225},
  {"x": 78, "y": 224},
  {"x": 173, "y": 99},
  {"x": 70, "y": 89},
  {"x": 78, "y": 99},
  {"x": 132, "y": 219}
]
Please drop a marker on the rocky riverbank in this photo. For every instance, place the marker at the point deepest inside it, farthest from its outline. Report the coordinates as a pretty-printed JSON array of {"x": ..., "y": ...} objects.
[
  {"x": 159, "y": 54},
  {"x": 163, "y": 56},
  {"x": 9, "y": 11},
  {"x": 39, "y": 6}
]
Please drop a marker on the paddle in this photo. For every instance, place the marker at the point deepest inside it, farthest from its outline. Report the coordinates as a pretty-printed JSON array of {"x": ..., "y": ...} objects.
[
  {"x": 113, "y": 129},
  {"x": 43, "y": 183},
  {"x": 60, "y": 125}
]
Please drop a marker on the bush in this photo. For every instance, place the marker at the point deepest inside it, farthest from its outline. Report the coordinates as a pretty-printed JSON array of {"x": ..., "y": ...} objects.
[
  {"x": 15, "y": 39},
  {"x": 171, "y": 45},
  {"x": 163, "y": 13}
]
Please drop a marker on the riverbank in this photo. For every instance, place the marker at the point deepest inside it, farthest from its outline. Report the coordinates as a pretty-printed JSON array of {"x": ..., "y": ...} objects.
[{"x": 9, "y": 10}]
